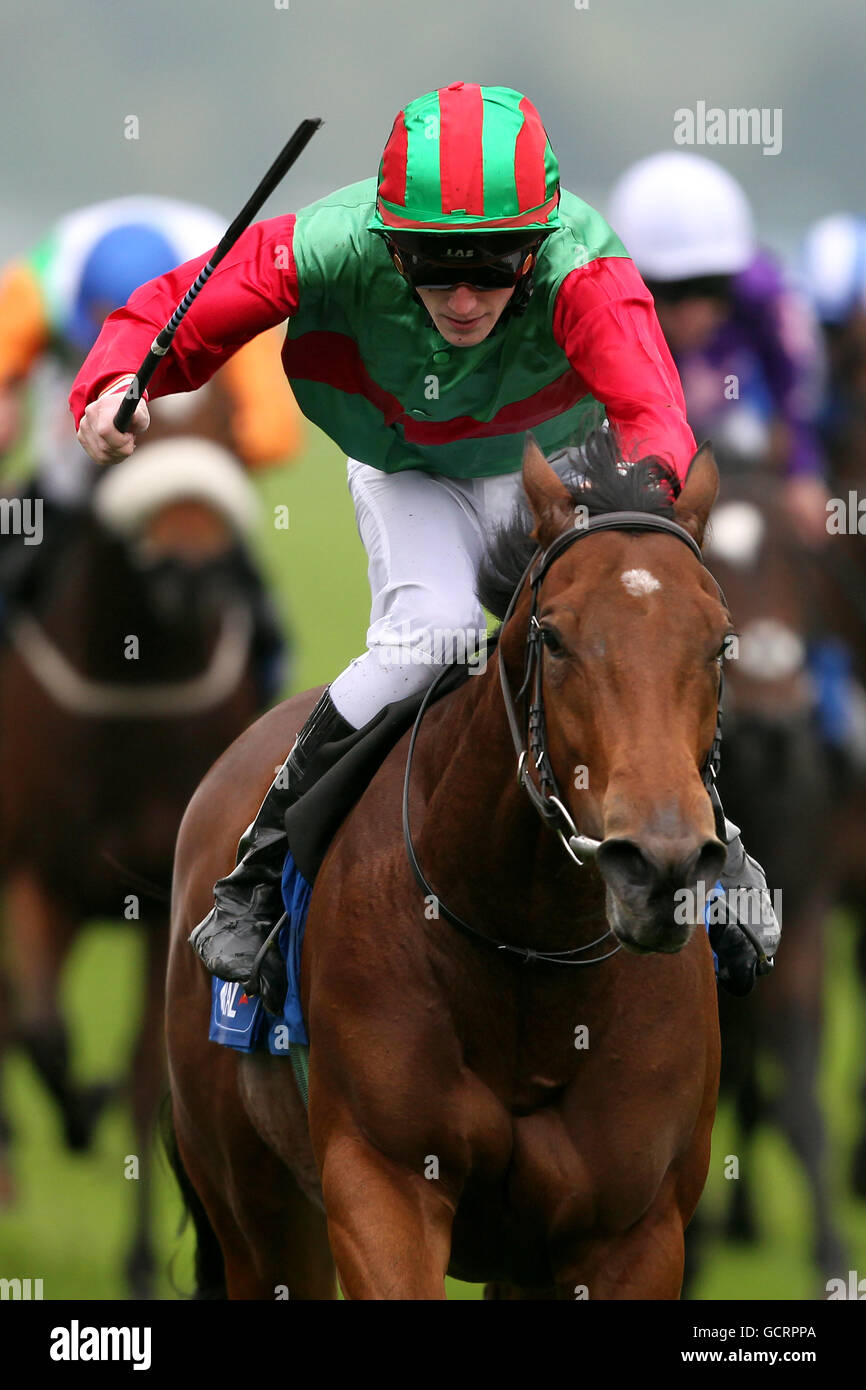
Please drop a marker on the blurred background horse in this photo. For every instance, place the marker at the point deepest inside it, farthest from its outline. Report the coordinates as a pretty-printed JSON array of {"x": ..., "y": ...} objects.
[
  {"x": 843, "y": 582},
  {"x": 776, "y": 783},
  {"x": 133, "y": 672}
]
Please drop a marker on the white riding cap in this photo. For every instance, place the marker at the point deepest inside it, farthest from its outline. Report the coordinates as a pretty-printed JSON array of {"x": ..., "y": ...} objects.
[
  {"x": 681, "y": 216},
  {"x": 175, "y": 470}
]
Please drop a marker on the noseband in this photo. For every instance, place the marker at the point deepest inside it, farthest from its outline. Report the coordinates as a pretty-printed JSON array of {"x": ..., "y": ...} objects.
[{"x": 546, "y": 796}]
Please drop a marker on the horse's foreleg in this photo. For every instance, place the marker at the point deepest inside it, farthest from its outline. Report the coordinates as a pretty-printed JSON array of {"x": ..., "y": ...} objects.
[
  {"x": 147, "y": 1081},
  {"x": 645, "y": 1262},
  {"x": 858, "y": 1160},
  {"x": 273, "y": 1239},
  {"x": 796, "y": 1019},
  {"x": 40, "y": 929},
  {"x": 740, "y": 1222},
  {"x": 7, "y": 1181},
  {"x": 499, "y": 1292},
  {"x": 389, "y": 1228}
]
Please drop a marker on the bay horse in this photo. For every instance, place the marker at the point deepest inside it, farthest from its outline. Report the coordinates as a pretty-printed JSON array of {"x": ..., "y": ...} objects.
[
  {"x": 843, "y": 590},
  {"x": 776, "y": 784},
  {"x": 543, "y": 1129},
  {"x": 116, "y": 694}
]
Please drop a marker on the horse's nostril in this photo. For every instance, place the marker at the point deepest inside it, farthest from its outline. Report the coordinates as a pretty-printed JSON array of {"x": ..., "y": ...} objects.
[
  {"x": 709, "y": 862},
  {"x": 623, "y": 864}
]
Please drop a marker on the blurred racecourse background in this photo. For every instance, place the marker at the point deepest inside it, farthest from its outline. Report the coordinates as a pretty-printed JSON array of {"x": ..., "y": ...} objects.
[{"x": 216, "y": 89}]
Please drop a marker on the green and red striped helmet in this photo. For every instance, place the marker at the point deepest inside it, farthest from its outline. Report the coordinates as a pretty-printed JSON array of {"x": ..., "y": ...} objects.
[{"x": 468, "y": 158}]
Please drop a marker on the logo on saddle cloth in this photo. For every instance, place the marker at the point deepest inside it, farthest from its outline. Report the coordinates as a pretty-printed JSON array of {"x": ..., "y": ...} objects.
[{"x": 235, "y": 1018}]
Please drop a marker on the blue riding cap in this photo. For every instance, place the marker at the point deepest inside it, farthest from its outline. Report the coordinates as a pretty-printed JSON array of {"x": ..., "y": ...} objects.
[{"x": 120, "y": 261}]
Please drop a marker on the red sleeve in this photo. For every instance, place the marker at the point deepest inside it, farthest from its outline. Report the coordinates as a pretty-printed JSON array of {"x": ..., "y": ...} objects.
[
  {"x": 255, "y": 287},
  {"x": 605, "y": 322}
]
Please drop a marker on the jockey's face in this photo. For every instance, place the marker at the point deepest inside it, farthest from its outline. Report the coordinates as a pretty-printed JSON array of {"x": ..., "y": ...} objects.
[
  {"x": 692, "y": 310},
  {"x": 463, "y": 315},
  {"x": 689, "y": 324}
]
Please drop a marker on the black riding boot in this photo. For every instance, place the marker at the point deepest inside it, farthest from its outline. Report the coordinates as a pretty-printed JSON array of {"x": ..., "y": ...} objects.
[
  {"x": 248, "y": 903},
  {"x": 743, "y": 928}
]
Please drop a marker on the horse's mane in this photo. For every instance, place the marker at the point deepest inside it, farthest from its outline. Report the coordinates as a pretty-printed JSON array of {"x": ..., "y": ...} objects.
[{"x": 599, "y": 481}]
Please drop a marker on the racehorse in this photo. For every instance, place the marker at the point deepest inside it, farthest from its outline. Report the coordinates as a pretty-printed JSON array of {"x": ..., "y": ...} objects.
[
  {"x": 844, "y": 599},
  {"x": 476, "y": 1106},
  {"x": 116, "y": 693},
  {"x": 775, "y": 780}
]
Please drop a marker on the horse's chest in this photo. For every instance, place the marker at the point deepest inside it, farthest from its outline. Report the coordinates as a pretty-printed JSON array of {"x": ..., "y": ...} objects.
[
  {"x": 563, "y": 1186},
  {"x": 587, "y": 1158}
]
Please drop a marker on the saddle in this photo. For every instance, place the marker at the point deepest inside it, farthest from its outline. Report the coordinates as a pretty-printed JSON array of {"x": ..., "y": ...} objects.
[{"x": 340, "y": 773}]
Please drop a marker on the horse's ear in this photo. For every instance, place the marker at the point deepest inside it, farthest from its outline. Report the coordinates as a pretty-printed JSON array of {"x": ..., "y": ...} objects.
[
  {"x": 699, "y": 492},
  {"x": 550, "y": 500}
]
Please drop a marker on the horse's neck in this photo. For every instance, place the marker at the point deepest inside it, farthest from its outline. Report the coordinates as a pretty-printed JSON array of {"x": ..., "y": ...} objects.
[
  {"x": 481, "y": 844},
  {"x": 101, "y": 618}
]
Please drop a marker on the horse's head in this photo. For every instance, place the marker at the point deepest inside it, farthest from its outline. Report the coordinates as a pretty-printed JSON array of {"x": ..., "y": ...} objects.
[
  {"x": 765, "y": 572},
  {"x": 181, "y": 509},
  {"x": 633, "y": 631}
]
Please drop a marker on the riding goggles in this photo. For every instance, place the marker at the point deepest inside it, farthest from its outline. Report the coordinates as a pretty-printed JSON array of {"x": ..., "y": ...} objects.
[{"x": 438, "y": 262}]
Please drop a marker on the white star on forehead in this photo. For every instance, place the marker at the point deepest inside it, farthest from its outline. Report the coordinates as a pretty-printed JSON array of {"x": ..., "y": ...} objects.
[{"x": 639, "y": 582}]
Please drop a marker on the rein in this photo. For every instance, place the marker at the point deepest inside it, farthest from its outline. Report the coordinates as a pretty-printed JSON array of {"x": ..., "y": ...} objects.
[
  {"x": 545, "y": 796},
  {"x": 86, "y": 698}
]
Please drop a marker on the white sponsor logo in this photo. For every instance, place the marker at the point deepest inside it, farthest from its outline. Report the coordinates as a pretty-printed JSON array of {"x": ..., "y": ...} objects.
[{"x": 228, "y": 997}]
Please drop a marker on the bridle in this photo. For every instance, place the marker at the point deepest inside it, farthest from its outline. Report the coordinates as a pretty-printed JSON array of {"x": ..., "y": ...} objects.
[{"x": 546, "y": 796}]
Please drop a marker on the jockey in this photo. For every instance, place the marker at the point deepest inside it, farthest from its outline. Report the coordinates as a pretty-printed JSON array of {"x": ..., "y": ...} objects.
[
  {"x": 747, "y": 349},
  {"x": 434, "y": 318},
  {"x": 833, "y": 273},
  {"x": 52, "y": 307},
  {"x": 750, "y": 358}
]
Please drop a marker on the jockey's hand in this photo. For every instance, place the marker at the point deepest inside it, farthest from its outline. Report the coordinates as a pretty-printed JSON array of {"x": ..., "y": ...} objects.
[
  {"x": 806, "y": 499},
  {"x": 96, "y": 433}
]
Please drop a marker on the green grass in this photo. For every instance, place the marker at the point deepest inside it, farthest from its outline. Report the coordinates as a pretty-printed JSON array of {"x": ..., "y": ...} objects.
[{"x": 71, "y": 1223}]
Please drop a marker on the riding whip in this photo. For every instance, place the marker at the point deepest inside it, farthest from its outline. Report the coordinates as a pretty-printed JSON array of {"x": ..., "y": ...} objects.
[{"x": 163, "y": 340}]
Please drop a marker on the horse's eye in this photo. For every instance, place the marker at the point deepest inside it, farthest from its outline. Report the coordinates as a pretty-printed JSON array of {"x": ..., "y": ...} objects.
[{"x": 552, "y": 642}]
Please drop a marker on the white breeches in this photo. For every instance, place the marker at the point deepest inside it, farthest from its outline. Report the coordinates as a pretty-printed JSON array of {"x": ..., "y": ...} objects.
[{"x": 425, "y": 535}]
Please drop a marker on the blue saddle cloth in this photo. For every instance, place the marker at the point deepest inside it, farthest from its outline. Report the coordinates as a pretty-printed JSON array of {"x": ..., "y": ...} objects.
[{"x": 831, "y": 668}]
